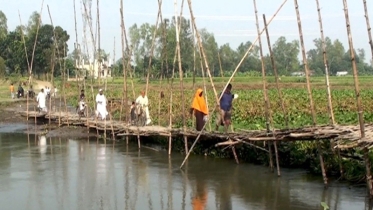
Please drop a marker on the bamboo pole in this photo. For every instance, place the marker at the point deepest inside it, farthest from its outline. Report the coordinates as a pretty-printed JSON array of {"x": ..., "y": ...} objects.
[
  {"x": 230, "y": 79},
  {"x": 277, "y": 159},
  {"x": 270, "y": 155},
  {"x": 152, "y": 46},
  {"x": 64, "y": 87},
  {"x": 28, "y": 63},
  {"x": 358, "y": 99},
  {"x": 180, "y": 76},
  {"x": 194, "y": 57},
  {"x": 124, "y": 101},
  {"x": 36, "y": 38},
  {"x": 199, "y": 41},
  {"x": 129, "y": 53},
  {"x": 99, "y": 62},
  {"x": 309, "y": 90},
  {"x": 305, "y": 63},
  {"x": 264, "y": 78},
  {"x": 220, "y": 66},
  {"x": 164, "y": 61},
  {"x": 279, "y": 91},
  {"x": 330, "y": 105},
  {"x": 369, "y": 29},
  {"x": 204, "y": 87}
]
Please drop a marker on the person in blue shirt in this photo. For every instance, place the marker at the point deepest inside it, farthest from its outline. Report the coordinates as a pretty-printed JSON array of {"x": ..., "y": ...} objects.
[{"x": 225, "y": 112}]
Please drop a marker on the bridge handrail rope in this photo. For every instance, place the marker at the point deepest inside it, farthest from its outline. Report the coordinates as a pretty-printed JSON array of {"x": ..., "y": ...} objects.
[{"x": 234, "y": 72}]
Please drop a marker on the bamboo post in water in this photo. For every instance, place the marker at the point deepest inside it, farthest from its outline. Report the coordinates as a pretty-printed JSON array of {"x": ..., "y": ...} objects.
[
  {"x": 279, "y": 91},
  {"x": 270, "y": 155},
  {"x": 330, "y": 105},
  {"x": 230, "y": 79},
  {"x": 180, "y": 76},
  {"x": 369, "y": 29},
  {"x": 309, "y": 90},
  {"x": 358, "y": 99},
  {"x": 264, "y": 78}
]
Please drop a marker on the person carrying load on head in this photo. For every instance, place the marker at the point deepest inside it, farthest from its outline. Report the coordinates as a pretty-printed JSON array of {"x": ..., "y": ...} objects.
[
  {"x": 225, "y": 109},
  {"x": 199, "y": 108}
]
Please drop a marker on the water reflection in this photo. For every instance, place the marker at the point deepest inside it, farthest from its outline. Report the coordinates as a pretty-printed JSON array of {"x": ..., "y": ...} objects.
[{"x": 50, "y": 173}]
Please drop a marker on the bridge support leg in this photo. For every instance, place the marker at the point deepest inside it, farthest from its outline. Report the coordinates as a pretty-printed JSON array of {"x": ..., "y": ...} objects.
[
  {"x": 340, "y": 163},
  {"x": 270, "y": 155},
  {"x": 169, "y": 144},
  {"x": 235, "y": 155},
  {"x": 368, "y": 172},
  {"x": 277, "y": 161},
  {"x": 186, "y": 144},
  {"x": 322, "y": 165},
  {"x": 138, "y": 141}
]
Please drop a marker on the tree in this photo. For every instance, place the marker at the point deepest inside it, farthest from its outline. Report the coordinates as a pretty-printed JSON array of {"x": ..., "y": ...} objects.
[
  {"x": 252, "y": 61},
  {"x": 2, "y": 67},
  {"x": 286, "y": 55},
  {"x": 3, "y": 26}
]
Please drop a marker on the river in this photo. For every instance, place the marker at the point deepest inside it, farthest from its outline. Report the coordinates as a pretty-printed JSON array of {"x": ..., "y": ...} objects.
[{"x": 52, "y": 173}]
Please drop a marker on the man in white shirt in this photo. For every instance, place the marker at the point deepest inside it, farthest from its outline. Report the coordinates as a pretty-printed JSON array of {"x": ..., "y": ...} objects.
[
  {"x": 101, "y": 105},
  {"x": 144, "y": 102},
  {"x": 41, "y": 100}
]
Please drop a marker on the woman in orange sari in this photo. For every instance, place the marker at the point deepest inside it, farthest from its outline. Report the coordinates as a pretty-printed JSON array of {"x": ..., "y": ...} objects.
[{"x": 200, "y": 110}]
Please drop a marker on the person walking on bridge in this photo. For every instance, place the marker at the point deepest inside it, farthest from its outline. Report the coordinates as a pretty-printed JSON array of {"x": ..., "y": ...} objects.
[
  {"x": 41, "y": 101},
  {"x": 101, "y": 105},
  {"x": 144, "y": 102},
  {"x": 224, "y": 116},
  {"x": 199, "y": 108}
]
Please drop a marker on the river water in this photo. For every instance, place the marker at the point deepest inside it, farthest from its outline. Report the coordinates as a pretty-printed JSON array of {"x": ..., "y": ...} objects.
[{"x": 51, "y": 173}]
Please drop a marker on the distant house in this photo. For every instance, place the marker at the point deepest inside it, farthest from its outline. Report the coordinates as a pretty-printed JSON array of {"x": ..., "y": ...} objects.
[
  {"x": 298, "y": 74},
  {"x": 341, "y": 73},
  {"x": 93, "y": 68}
]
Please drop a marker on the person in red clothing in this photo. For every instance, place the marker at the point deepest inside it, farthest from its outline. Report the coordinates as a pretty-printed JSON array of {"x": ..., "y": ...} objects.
[{"x": 199, "y": 108}]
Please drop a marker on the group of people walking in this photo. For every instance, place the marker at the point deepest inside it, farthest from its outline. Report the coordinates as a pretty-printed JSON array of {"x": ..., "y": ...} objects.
[
  {"x": 101, "y": 106},
  {"x": 201, "y": 112},
  {"x": 198, "y": 108}
]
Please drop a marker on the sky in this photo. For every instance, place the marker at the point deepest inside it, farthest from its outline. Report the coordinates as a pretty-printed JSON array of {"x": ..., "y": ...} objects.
[{"x": 231, "y": 23}]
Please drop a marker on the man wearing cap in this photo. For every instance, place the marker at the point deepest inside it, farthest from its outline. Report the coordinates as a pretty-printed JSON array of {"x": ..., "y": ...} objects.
[
  {"x": 144, "y": 102},
  {"x": 101, "y": 105}
]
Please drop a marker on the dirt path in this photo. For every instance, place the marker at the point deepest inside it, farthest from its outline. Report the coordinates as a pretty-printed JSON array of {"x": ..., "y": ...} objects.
[{"x": 41, "y": 84}]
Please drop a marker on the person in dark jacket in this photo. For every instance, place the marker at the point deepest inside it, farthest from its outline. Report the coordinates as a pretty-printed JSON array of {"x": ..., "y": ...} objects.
[{"x": 224, "y": 115}]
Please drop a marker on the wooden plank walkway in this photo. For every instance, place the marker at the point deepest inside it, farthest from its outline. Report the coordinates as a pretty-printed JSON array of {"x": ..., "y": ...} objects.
[{"x": 345, "y": 136}]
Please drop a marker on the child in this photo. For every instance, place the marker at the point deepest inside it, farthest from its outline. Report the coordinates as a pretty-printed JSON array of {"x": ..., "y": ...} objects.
[
  {"x": 81, "y": 108},
  {"x": 132, "y": 113}
]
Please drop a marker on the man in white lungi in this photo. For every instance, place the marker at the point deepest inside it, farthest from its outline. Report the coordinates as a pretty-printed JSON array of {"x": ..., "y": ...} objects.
[
  {"x": 101, "y": 105},
  {"x": 144, "y": 102},
  {"x": 41, "y": 101}
]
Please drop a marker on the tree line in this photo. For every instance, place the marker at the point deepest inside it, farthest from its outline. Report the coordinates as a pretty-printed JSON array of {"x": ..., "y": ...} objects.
[
  {"x": 17, "y": 47},
  {"x": 51, "y": 55},
  {"x": 223, "y": 59}
]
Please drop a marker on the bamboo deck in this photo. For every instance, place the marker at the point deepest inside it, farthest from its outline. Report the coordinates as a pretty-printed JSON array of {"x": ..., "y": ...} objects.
[{"x": 345, "y": 136}]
